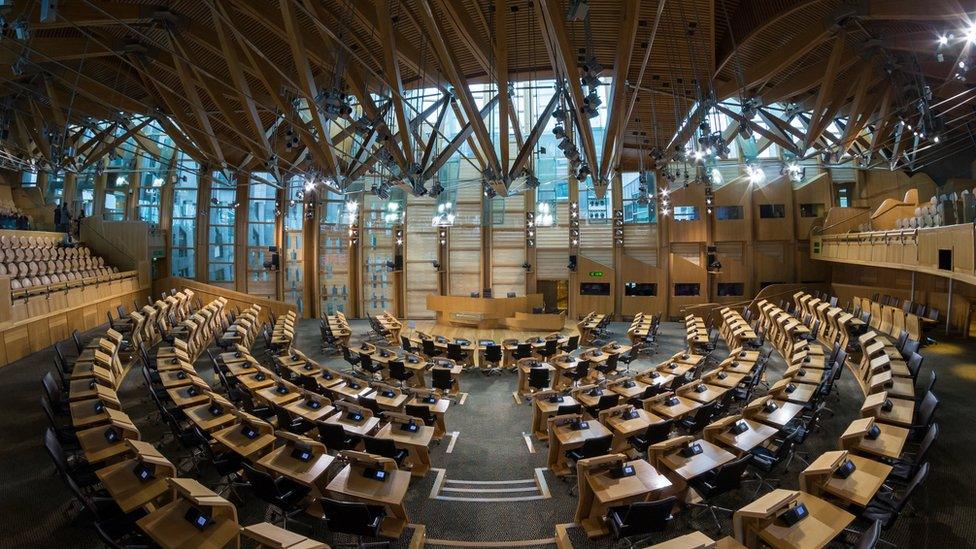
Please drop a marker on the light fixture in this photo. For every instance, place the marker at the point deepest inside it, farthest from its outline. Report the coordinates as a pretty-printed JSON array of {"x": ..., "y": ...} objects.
[
  {"x": 755, "y": 173},
  {"x": 971, "y": 33},
  {"x": 543, "y": 215},
  {"x": 943, "y": 40}
]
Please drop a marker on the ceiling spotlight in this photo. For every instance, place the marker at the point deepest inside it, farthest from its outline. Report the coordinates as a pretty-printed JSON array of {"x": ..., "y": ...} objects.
[
  {"x": 971, "y": 34},
  {"x": 936, "y": 138},
  {"x": 943, "y": 40},
  {"x": 755, "y": 173}
]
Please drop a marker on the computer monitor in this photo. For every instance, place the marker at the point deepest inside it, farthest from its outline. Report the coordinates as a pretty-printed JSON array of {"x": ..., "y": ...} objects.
[{"x": 511, "y": 294}]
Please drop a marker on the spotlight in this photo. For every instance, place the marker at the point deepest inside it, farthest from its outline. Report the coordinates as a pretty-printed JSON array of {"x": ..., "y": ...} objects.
[
  {"x": 755, "y": 173},
  {"x": 943, "y": 40}
]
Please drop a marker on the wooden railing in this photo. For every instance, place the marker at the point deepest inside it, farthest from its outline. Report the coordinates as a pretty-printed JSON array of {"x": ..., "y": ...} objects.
[{"x": 207, "y": 293}]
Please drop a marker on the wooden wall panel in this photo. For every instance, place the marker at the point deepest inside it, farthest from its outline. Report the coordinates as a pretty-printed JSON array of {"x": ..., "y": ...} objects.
[
  {"x": 778, "y": 191},
  {"x": 734, "y": 193},
  {"x": 814, "y": 191},
  {"x": 732, "y": 255},
  {"x": 591, "y": 303},
  {"x": 634, "y": 270},
  {"x": 687, "y": 266},
  {"x": 688, "y": 231},
  {"x": 773, "y": 263}
]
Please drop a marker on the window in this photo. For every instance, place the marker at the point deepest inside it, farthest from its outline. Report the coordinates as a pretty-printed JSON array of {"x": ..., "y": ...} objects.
[
  {"x": 223, "y": 205},
  {"x": 634, "y": 211},
  {"x": 772, "y": 211},
  {"x": 116, "y": 190},
  {"x": 812, "y": 210},
  {"x": 595, "y": 210},
  {"x": 844, "y": 196},
  {"x": 261, "y": 222},
  {"x": 687, "y": 289},
  {"x": 84, "y": 192},
  {"x": 729, "y": 213},
  {"x": 184, "y": 230},
  {"x": 55, "y": 187},
  {"x": 726, "y": 289},
  {"x": 686, "y": 213},
  {"x": 333, "y": 255},
  {"x": 28, "y": 179},
  {"x": 293, "y": 260},
  {"x": 150, "y": 187}
]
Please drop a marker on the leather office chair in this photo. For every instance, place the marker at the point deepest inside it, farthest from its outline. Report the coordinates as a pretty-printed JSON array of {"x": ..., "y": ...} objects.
[
  {"x": 907, "y": 465},
  {"x": 399, "y": 372},
  {"x": 429, "y": 349},
  {"x": 287, "y": 422},
  {"x": 578, "y": 373},
  {"x": 352, "y": 360},
  {"x": 564, "y": 409},
  {"x": 422, "y": 413},
  {"x": 593, "y": 447},
  {"x": 522, "y": 350},
  {"x": 640, "y": 520},
  {"x": 64, "y": 431},
  {"x": 284, "y": 496},
  {"x": 441, "y": 378},
  {"x": 385, "y": 447},
  {"x": 335, "y": 437},
  {"x": 924, "y": 415},
  {"x": 572, "y": 344},
  {"x": 54, "y": 394},
  {"x": 656, "y": 432},
  {"x": 75, "y": 468},
  {"x": 550, "y": 349},
  {"x": 719, "y": 482},
  {"x": 703, "y": 416},
  {"x": 887, "y": 507},
  {"x": 367, "y": 365},
  {"x": 354, "y": 519},
  {"x": 493, "y": 356},
  {"x": 539, "y": 379},
  {"x": 607, "y": 400},
  {"x": 455, "y": 353},
  {"x": 406, "y": 345},
  {"x": 928, "y": 388}
]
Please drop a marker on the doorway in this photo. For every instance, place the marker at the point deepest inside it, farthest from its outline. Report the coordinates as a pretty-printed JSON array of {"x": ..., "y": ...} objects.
[{"x": 555, "y": 294}]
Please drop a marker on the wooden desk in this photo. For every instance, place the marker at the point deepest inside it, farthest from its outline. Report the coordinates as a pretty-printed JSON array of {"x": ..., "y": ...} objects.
[
  {"x": 711, "y": 458},
  {"x": 234, "y": 440},
  {"x": 98, "y": 450},
  {"x": 438, "y": 410},
  {"x": 635, "y": 390},
  {"x": 698, "y": 540},
  {"x": 189, "y": 395},
  {"x": 351, "y": 484},
  {"x": 168, "y": 527},
  {"x": 543, "y": 409},
  {"x": 207, "y": 422},
  {"x": 889, "y": 444},
  {"x": 350, "y": 390},
  {"x": 524, "y": 391},
  {"x": 858, "y": 488},
  {"x": 480, "y": 312},
  {"x": 417, "y": 444},
  {"x": 85, "y": 415},
  {"x": 684, "y": 407},
  {"x": 269, "y": 536},
  {"x": 310, "y": 473},
  {"x": 901, "y": 413},
  {"x": 302, "y": 409},
  {"x": 128, "y": 492},
  {"x": 623, "y": 428},
  {"x": 675, "y": 368},
  {"x": 825, "y": 522},
  {"x": 711, "y": 392},
  {"x": 359, "y": 428},
  {"x": 600, "y": 490},
  {"x": 729, "y": 380},
  {"x": 272, "y": 396},
  {"x": 563, "y": 438},
  {"x": 742, "y": 443},
  {"x": 783, "y": 414}
]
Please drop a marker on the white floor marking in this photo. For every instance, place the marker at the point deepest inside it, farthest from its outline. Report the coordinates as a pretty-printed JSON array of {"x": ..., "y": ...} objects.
[
  {"x": 450, "y": 445},
  {"x": 528, "y": 442},
  {"x": 535, "y": 485}
]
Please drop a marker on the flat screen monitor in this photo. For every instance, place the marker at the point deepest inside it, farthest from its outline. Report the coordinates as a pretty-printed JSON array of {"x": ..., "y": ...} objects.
[
  {"x": 640, "y": 289},
  {"x": 594, "y": 288}
]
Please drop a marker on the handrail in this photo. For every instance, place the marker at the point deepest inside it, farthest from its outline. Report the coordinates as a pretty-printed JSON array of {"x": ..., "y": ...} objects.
[{"x": 847, "y": 220}]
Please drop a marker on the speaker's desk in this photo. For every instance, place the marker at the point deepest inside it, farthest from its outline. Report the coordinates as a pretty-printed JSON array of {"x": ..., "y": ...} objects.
[{"x": 480, "y": 312}]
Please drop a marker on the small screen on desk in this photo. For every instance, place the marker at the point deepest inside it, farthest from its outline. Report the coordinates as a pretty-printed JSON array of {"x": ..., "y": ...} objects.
[
  {"x": 313, "y": 404},
  {"x": 181, "y": 375},
  {"x": 281, "y": 390},
  {"x": 307, "y": 366},
  {"x": 700, "y": 388},
  {"x": 770, "y": 406},
  {"x": 112, "y": 435},
  {"x": 409, "y": 427},
  {"x": 623, "y": 471},
  {"x": 672, "y": 366},
  {"x": 581, "y": 425},
  {"x": 739, "y": 427},
  {"x": 174, "y": 360},
  {"x": 143, "y": 472},
  {"x": 655, "y": 375},
  {"x": 556, "y": 398},
  {"x": 353, "y": 385},
  {"x": 794, "y": 515},
  {"x": 873, "y": 433},
  {"x": 354, "y": 416},
  {"x": 671, "y": 401},
  {"x": 845, "y": 469},
  {"x": 215, "y": 410},
  {"x": 691, "y": 450},
  {"x": 237, "y": 354},
  {"x": 99, "y": 407},
  {"x": 430, "y": 399},
  {"x": 375, "y": 474},
  {"x": 249, "y": 432},
  {"x": 192, "y": 390},
  {"x": 259, "y": 376},
  {"x": 301, "y": 454},
  {"x": 790, "y": 387},
  {"x": 631, "y": 414},
  {"x": 388, "y": 394},
  {"x": 485, "y": 342},
  {"x": 629, "y": 384},
  {"x": 596, "y": 391},
  {"x": 195, "y": 517}
]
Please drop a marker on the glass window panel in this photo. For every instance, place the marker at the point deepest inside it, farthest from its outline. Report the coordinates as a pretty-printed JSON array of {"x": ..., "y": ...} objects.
[
  {"x": 184, "y": 228},
  {"x": 220, "y": 237}
]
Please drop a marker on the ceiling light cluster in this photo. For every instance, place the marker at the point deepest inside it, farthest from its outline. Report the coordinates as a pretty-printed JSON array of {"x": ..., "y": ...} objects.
[{"x": 444, "y": 216}]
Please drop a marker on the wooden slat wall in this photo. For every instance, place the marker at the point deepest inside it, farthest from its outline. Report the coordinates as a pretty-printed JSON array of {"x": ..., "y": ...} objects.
[{"x": 420, "y": 252}]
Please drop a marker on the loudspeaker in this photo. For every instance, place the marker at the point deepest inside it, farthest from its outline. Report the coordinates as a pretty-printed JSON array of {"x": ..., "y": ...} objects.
[
  {"x": 398, "y": 262},
  {"x": 572, "y": 263}
]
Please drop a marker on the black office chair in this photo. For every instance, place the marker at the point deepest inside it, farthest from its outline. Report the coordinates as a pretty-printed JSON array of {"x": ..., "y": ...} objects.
[
  {"x": 572, "y": 344},
  {"x": 399, "y": 372},
  {"x": 429, "y": 349},
  {"x": 578, "y": 373},
  {"x": 910, "y": 347},
  {"x": 54, "y": 394},
  {"x": 352, "y": 360},
  {"x": 522, "y": 350},
  {"x": 656, "y": 432},
  {"x": 455, "y": 353},
  {"x": 550, "y": 349},
  {"x": 914, "y": 365},
  {"x": 293, "y": 424},
  {"x": 64, "y": 431},
  {"x": 928, "y": 388},
  {"x": 406, "y": 345},
  {"x": 609, "y": 367},
  {"x": 441, "y": 378},
  {"x": 354, "y": 519},
  {"x": 712, "y": 340},
  {"x": 385, "y": 447},
  {"x": 629, "y": 356},
  {"x": 703, "y": 416},
  {"x": 493, "y": 356},
  {"x": 886, "y": 507},
  {"x": 335, "y": 437},
  {"x": 422, "y": 413},
  {"x": 924, "y": 415},
  {"x": 539, "y": 379},
  {"x": 76, "y": 337},
  {"x": 640, "y": 520},
  {"x": 592, "y": 447},
  {"x": 226, "y": 464},
  {"x": 564, "y": 409},
  {"x": 607, "y": 400},
  {"x": 367, "y": 365},
  {"x": 766, "y": 458},
  {"x": 870, "y": 537},
  {"x": 717, "y": 483},
  {"x": 284, "y": 496},
  {"x": 907, "y": 465},
  {"x": 75, "y": 468}
]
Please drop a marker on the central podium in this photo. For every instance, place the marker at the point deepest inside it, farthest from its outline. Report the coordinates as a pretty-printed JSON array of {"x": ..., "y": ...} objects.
[{"x": 494, "y": 312}]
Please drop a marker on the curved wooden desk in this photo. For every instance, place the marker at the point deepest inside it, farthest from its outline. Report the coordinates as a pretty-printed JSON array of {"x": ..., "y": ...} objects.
[{"x": 480, "y": 312}]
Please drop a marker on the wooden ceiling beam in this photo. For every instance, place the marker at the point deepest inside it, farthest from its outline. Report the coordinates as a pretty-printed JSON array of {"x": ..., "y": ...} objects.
[
  {"x": 804, "y": 80},
  {"x": 527, "y": 148},
  {"x": 551, "y": 17},
  {"x": 392, "y": 66},
  {"x": 196, "y": 106},
  {"x": 111, "y": 143},
  {"x": 452, "y": 147},
  {"x": 825, "y": 94},
  {"x": 501, "y": 68},
  {"x": 96, "y": 13},
  {"x": 617, "y": 123},
  {"x": 461, "y": 88}
]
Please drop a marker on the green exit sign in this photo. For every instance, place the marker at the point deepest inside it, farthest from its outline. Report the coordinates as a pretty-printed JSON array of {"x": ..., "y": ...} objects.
[{"x": 596, "y": 274}]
